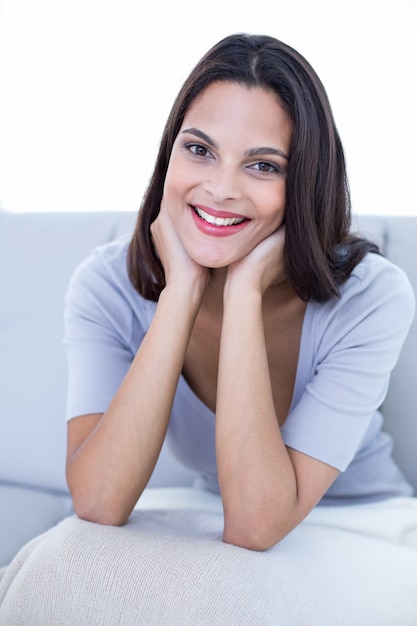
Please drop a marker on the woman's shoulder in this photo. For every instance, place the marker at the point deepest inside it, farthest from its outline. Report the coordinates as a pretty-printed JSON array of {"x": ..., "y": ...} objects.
[
  {"x": 376, "y": 277},
  {"x": 105, "y": 268},
  {"x": 101, "y": 301},
  {"x": 376, "y": 294},
  {"x": 107, "y": 256},
  {"x": 373, "y": 265},
  {"x": 101, "y": 284}
]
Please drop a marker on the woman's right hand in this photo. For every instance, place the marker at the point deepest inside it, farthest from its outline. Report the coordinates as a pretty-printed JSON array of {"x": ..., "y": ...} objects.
[
  {"x": 177, "y": 264},
  {"x": 111, "y": 456}
]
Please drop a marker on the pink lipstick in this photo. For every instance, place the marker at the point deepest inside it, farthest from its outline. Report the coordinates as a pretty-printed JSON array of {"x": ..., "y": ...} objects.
[{"x": 217, "y": 223}]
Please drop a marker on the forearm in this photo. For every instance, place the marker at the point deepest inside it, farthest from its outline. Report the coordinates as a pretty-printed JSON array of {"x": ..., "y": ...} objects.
[
  {"x": 257, "y": 479},
  {"x": 110, "y": 469}
]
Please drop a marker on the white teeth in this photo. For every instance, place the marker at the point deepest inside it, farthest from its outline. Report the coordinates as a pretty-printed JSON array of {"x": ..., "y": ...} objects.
[{"x": 218, "y": 221}]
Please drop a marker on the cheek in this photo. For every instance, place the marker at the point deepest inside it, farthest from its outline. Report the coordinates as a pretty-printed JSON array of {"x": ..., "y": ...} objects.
[
  {"x": 171, "y": 186},
  {"x": 272, "y": 205},
  {"x": 179, "y": 179}
]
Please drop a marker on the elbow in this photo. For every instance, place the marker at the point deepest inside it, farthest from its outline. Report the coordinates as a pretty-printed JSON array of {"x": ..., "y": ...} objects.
[
  {"x": 256, "y": 537},
  {"x": 98, "y": 517},
  {"x": 97, "y": 511},
  {"x": 91, "y": 505}
]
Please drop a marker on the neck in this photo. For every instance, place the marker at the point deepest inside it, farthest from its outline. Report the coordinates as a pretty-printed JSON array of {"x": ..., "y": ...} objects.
[
  {"x": 277, "y": 295},
  {"x": 217, "y": 279}
]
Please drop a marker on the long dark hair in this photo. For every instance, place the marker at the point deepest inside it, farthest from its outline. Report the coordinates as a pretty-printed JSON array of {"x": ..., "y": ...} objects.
[{"x": 320, "y": 253}]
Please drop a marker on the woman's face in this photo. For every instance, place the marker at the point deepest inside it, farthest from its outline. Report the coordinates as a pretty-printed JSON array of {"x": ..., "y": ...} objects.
[{"x": 226, "y": 179}]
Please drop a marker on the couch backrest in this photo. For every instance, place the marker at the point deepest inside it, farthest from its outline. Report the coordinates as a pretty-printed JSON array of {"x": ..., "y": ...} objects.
[
  {"x": 38, "y": 253},
  {"x": 397, "y": 237}
]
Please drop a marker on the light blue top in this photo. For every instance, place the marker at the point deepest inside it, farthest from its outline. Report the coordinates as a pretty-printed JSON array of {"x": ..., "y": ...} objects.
[{"x": 348, "y": 349}]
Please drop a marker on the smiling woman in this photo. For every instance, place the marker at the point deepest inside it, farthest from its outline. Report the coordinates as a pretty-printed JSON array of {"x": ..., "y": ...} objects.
[
  {"x": 289, "y": 106},
  {"x": 243, "y": 244},
  {"x": 242, "y": 321}
]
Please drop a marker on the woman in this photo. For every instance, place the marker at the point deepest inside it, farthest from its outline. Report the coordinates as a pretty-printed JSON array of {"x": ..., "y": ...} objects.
[{"x": 242, "y": 320}]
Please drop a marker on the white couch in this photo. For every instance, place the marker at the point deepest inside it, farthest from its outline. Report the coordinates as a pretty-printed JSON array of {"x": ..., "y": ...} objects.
[{"x": 38, "y": 253}]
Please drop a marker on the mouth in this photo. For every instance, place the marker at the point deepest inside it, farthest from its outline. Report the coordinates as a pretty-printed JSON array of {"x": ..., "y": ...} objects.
[{"x": 216, "y": 220}]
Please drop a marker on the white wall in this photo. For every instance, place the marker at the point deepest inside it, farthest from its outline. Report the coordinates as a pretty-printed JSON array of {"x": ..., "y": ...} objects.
[{"x": 85, "y": 86}]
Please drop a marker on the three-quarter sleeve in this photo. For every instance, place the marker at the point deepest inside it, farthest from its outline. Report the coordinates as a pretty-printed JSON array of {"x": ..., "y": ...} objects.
[
  {"x": 358, "y": 339},
  {"x": 103, "y": 329}
]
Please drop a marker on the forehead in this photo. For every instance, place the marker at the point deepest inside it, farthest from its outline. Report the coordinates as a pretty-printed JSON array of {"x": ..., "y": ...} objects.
[{"x": 232, "y": 108}]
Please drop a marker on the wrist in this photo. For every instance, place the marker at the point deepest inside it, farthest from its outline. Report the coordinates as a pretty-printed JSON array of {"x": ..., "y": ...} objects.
[
  {"x": 242, "y": 292},
  {"x": 239, "y": 284},
  {"x": 184, "y": 293}
]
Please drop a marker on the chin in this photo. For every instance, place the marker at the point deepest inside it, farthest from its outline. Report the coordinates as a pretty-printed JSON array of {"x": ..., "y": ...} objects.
[
  {"x": 216, "y": 255},
  {"x": 212, "y": 260},
  {"x": 212, "y": 264}
]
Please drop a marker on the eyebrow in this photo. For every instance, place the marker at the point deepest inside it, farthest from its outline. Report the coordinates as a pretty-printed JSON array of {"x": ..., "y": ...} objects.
[
  {"x": 259, "y": 151},
  {"x": 264, "y": 151},
  {"x": 203, "y": 136}
]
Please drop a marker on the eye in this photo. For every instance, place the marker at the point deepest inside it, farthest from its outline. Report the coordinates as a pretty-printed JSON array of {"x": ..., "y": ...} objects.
[
  {"x": 266, "y": 168},
  {"x": 198, "y": 150}
]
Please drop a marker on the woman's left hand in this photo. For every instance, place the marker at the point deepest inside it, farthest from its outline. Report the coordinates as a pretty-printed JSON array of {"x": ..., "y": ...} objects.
[{"x": 263, "y": 266}]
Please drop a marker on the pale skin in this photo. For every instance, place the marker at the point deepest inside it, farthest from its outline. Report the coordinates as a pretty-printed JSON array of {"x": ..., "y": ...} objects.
[{"x": 227, "y": 320}]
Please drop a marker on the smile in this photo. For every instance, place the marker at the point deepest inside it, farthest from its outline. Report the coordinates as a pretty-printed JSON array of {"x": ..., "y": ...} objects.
[{"x": 218, "y": 221}]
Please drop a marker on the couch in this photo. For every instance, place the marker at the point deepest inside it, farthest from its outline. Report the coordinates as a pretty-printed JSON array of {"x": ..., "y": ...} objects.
[{"x": 38, "y": 253}]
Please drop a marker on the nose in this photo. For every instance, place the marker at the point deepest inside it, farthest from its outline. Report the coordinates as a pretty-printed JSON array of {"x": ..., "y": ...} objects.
[{"x": 224, "y": 183}]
